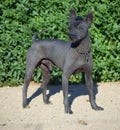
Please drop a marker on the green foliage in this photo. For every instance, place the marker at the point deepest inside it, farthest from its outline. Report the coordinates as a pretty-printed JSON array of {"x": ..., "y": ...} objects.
[{"x": 19, "y": 19}]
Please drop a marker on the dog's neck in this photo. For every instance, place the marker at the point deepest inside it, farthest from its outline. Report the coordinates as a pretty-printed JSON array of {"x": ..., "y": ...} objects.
[
  {"x": 83, "y": 48},
  {"x": 82, "y": 45}
]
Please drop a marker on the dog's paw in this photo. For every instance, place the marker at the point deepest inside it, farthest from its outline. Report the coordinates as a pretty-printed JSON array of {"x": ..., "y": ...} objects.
[
  {"x": 98, "y": 108},
  {"x": 26, "y": 106},
  {"x": 69, "y": 111},
  {"x": 47, "y": 102}
]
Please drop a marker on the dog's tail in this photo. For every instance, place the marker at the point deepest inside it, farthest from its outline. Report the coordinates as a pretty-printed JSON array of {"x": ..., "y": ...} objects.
[{"x": 37, "y": 33}]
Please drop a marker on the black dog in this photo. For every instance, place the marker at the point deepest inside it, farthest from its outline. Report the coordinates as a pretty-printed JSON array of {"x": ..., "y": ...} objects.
[{"x": 70, "y": 57}]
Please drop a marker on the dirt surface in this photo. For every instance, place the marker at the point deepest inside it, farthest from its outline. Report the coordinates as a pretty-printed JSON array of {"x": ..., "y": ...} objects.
[{"x": 52, "y": 117}]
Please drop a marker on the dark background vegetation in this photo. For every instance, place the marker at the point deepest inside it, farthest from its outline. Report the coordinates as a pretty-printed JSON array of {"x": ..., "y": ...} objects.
[{"x": 20, "y": 19}]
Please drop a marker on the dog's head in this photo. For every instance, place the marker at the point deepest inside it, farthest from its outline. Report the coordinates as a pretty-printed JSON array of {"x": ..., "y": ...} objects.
[{"x": 79, "y": 26}]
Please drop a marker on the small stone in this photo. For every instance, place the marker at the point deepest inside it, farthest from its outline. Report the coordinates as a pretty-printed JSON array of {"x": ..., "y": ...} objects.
[{"x": 82, "y": 122}]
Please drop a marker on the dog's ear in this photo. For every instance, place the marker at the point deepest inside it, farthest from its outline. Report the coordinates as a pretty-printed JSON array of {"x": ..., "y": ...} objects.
[
  {"x": 89, "y": 18},
  {"x": 72, "y": 14},
  {"x": 72, "y": 17}
]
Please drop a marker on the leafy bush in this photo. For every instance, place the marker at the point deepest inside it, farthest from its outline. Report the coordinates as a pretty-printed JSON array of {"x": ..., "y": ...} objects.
[{"x": 19, "y": 19}]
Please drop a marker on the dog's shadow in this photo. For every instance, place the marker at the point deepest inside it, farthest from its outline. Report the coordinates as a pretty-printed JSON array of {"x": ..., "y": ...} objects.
[{"x": 75, "y": 91}]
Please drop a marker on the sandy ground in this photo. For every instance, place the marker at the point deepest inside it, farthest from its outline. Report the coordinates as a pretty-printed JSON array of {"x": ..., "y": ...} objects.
[{"x": 52, "y": 117}]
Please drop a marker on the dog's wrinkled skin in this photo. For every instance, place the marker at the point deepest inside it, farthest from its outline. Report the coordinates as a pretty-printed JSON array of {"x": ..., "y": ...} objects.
[{"x": 70, "y": 57}]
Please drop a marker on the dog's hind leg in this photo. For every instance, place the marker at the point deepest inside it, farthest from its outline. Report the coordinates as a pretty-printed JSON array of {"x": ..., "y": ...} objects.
[
  {"x": 46, "y": 71},
  {"x": 89, "y": 84},
  {"x": 27, "y": 79},
  {"x": 31, "y": 63}
]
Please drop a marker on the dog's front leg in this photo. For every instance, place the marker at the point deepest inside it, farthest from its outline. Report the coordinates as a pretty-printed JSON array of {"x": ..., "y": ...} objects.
[
  {"x": 89, "y": 84},
  {"x": 65, "y": 79}
]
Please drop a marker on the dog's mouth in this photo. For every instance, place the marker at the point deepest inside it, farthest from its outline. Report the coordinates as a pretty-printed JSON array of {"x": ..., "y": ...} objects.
[
  {"x": 73, "y": 37},
  {"x": 76, "y": 38}
]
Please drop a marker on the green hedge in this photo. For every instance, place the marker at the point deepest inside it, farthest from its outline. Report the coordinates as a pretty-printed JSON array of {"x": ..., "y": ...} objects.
[{"x": 20, "y": 19}]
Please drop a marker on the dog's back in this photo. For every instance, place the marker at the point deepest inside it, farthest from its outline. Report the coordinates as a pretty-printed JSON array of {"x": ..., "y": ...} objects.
[{"x": 51, "y": 49}]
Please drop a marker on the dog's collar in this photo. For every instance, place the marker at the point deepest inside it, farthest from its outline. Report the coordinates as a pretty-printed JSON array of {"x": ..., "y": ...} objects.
[{"x": 85, "y": 53}]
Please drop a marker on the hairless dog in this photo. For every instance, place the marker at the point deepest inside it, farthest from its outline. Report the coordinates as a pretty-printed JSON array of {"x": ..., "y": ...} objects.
[{"x": 71, "y": 57}]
